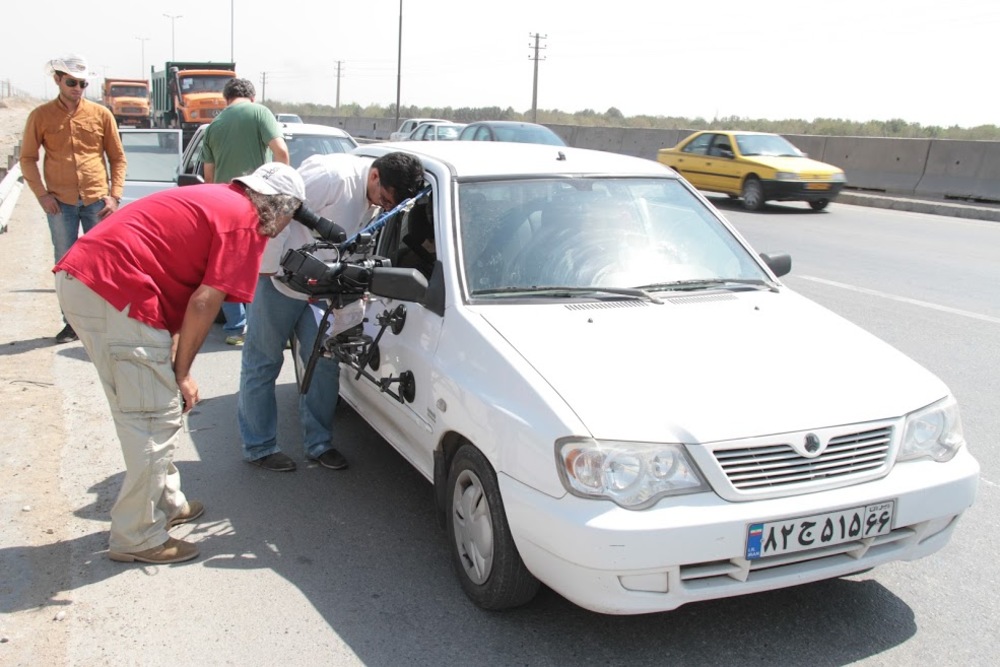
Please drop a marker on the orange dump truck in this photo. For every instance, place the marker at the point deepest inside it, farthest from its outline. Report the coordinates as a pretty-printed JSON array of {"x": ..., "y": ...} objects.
[
  {"x": 128, "y": 100},
  {"x": 189, "y": 94}
]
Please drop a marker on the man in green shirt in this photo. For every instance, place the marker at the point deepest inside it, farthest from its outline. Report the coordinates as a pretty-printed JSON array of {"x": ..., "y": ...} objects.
[{"x": 236, "y": 143}]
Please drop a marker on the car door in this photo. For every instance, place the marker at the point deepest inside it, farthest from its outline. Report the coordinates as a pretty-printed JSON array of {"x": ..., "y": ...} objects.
[
  {"x": 723, "y": 169},
  {"x": 405, "y": 412},
  {"x": 153, "y": 158}
]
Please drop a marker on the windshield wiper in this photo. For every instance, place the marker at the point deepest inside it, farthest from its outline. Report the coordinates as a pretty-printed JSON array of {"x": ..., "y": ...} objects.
[
  {"x": 560, "y": 290},
  {"x": 706, "y": 283}
]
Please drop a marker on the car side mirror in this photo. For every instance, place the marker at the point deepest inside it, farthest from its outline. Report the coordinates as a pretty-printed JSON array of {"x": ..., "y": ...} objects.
[
  {"x": 780, "y": 264},
  {"x": 727, "y": 153},
  {"x": 397, "y": 283},
  {"x": 189, "y": 179}
]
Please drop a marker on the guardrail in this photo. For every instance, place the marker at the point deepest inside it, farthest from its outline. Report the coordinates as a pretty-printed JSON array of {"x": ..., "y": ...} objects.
[{"x": 10, "y": 189}]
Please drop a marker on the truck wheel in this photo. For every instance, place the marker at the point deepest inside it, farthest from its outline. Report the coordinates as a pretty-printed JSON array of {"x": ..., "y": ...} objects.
[{"x": 482, "y": 549}]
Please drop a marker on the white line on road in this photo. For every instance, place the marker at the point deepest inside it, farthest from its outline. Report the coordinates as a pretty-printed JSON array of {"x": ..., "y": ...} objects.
[{"x": 903, "y": 299}]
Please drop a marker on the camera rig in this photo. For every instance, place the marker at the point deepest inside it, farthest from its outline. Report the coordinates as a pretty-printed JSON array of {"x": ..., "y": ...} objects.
[{"x": 349, "y": 276}]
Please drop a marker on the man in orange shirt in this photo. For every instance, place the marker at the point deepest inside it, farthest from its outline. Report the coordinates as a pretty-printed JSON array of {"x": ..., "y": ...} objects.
[{"x": 76, "y": 134}]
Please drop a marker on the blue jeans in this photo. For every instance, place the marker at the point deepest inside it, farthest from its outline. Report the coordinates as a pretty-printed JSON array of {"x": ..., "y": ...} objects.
[
  {"x": 64, "y": 226},
  {"x": 275, "y": 318},
  {"x": 236, "y": 317}
]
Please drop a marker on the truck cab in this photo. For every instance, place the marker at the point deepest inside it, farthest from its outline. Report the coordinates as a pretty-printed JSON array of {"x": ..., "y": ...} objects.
[
  {"x": 187, "y": 95},
  {"x": 128, "y": 100}
]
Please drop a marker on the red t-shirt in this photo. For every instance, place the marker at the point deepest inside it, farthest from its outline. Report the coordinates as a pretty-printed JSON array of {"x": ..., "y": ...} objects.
[{"x": 154, "y": 253}]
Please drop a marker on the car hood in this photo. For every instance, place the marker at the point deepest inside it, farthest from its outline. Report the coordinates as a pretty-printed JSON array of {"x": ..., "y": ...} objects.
[
  {"x": 712, "y": 367},
  {"x": 803, "y": 166}
]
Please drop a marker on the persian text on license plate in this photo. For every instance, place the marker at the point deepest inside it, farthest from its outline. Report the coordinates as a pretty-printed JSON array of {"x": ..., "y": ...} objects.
[
  {"x": 817, "y": 186},
  {"x": 819, "y": 530}
]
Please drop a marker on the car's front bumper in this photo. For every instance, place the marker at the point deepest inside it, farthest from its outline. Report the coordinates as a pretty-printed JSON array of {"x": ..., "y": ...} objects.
[
  {"x": 690, "y": 548},
  {"x": 801, "y": 190}
]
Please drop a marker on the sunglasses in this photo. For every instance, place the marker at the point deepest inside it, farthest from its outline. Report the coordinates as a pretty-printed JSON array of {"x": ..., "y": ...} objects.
[{"x": 73, "y": 83}]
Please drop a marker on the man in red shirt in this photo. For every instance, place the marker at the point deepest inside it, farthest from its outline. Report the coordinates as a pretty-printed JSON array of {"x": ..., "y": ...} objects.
[{"x": 142, "y": 290}]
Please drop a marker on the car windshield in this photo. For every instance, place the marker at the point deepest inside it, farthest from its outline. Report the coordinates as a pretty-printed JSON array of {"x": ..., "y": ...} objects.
[
  {"x": 301, "y": 146},
  {"x": 766, "y": 144},
  {"x": 605, "y": 233},
  {"x": 528, "y": 135},
  {"x": 129, "y": 91}
]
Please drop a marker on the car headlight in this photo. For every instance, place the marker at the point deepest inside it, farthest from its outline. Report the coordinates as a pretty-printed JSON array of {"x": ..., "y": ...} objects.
[
  {"x": 934, "y": 432},
  {"x": 634, "y": 475},
  {"x": 786, "y": 176},
  {"x": 839, "y": 177}
]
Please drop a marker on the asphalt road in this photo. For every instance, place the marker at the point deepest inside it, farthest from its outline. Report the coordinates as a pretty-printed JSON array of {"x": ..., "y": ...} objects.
[{"x": 351, "y": 568}]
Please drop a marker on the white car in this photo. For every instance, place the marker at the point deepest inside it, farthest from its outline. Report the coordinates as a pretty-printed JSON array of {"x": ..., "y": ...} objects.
[
  {"x": 409, "y": 125},
  {"x": 614, "y": 395},
  {"x": 288, "y": 118},
  {"x": 303, "y": 140}
]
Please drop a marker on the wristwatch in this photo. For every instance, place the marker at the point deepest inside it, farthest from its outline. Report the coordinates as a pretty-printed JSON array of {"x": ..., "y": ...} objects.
[{"x": 118, "y": 200}]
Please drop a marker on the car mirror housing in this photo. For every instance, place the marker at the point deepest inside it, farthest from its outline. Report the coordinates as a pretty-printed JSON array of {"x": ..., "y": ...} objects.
[
  {"x": 397, "y": 283},
  {"x": 780, "y": 264},
  {"x": 189, "y": 179}
]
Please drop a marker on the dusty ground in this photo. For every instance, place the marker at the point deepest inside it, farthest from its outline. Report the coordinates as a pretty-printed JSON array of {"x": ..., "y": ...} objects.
[{"x": 34, "y": 513}]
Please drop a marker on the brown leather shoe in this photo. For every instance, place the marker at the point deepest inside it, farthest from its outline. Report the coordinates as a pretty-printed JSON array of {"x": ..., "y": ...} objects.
[
  {"x": 191, "y": 511},
  {"x": 171, "y": 551}
]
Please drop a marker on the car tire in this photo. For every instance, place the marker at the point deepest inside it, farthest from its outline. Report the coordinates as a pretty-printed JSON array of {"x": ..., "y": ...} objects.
[
  {"x": 483, "y": 552},
  {"x": 753, "y": 194},
  {"x": 819, "y": 204}
]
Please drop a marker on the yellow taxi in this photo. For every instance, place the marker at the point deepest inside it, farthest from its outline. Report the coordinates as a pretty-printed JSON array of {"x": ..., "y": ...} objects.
[{"x": 756, "y": 166}]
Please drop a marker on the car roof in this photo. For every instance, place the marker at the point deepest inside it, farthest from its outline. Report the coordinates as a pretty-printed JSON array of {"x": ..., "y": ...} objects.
[
  {"x": 506, "y": 123},
  {"x": 492, "y": 159},
  {"x": 313, "y": 128}
]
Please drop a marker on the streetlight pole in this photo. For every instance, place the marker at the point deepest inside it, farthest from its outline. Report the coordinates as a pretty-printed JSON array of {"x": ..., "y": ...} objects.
[
  {"x": 172, "y": 17},
  {"x": 232, "y": 30},
  {"x": 399, "y": 62},
  {"x": 143, "y": 40}
]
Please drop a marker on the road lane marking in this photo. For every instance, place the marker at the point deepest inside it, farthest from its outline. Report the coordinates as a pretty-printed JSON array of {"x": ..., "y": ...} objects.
[{"x": 903, "y": 299}]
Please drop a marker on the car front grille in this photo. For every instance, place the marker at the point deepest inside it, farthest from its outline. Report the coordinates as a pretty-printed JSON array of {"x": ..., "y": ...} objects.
[{"x": 775, "y": 466}]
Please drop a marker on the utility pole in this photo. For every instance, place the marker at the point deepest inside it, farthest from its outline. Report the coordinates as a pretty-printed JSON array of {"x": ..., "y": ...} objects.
[
  {"x": 173, "y": 18},
  {"x": 399, "y": 62},
  {"x": 534, "y": 86},
  {"x": 339, "y": 63},
  {"x": 263, "y": 87},
  {"x": 143, "y": 40}
]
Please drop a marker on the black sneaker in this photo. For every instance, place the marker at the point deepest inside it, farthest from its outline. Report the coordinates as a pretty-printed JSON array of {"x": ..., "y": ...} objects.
[
  {"x": 278, "y": 462},
  {"x": 331, "y": 459},
  {"x": 67, "y": 335}
]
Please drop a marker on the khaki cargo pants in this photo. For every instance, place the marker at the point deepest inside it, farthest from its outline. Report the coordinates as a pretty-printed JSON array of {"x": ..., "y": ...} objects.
[{"x": 133, "y": 362}]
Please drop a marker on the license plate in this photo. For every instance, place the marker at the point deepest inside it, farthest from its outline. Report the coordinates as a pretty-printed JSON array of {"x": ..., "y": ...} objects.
[
  {"x": 817, "y": 186},
  {"x": 789, "y": 535}
]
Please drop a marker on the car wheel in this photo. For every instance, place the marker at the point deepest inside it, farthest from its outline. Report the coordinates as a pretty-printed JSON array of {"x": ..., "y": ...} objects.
[
  {"x": 486, "y": 560},
  {"x": 753, "y": 194},
  {"x": 819, "y": 204}
]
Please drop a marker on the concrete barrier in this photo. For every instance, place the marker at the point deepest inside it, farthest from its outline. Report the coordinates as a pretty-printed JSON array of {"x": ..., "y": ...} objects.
[
  {"x": 940, "y": 168},
  {"x": 967, "y": 170},
  {"x": 879, "y": 164}
]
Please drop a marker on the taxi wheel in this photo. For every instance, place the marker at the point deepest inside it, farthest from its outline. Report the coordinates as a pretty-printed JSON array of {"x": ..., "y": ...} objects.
[
  {"x": 482, "y": 549},
  {"x": 753, "y": 194},
  {"x": 819, "y": 204}
]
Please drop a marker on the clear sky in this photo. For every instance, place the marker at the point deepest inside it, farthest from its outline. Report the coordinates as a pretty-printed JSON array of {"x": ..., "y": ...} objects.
[{"x": 924, "y": 61}]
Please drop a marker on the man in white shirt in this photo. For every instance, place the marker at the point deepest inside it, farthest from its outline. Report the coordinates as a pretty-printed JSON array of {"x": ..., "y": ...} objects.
[{"x": 341, "y": 187}]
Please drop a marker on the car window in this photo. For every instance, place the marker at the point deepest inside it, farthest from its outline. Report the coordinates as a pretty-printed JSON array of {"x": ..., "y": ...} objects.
[
  {"x": 301, "y": 146},
  {"x": 192, "y": 163},
  {"x": 606, "y": 232},
  {"x": 699, "y": 145},
  {"x": 151, "y": 155},
  {"x": 482, "y": 134}
]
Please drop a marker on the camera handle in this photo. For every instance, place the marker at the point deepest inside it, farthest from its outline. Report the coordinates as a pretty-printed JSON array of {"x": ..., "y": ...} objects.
[{"x": 357, "y": 351}]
